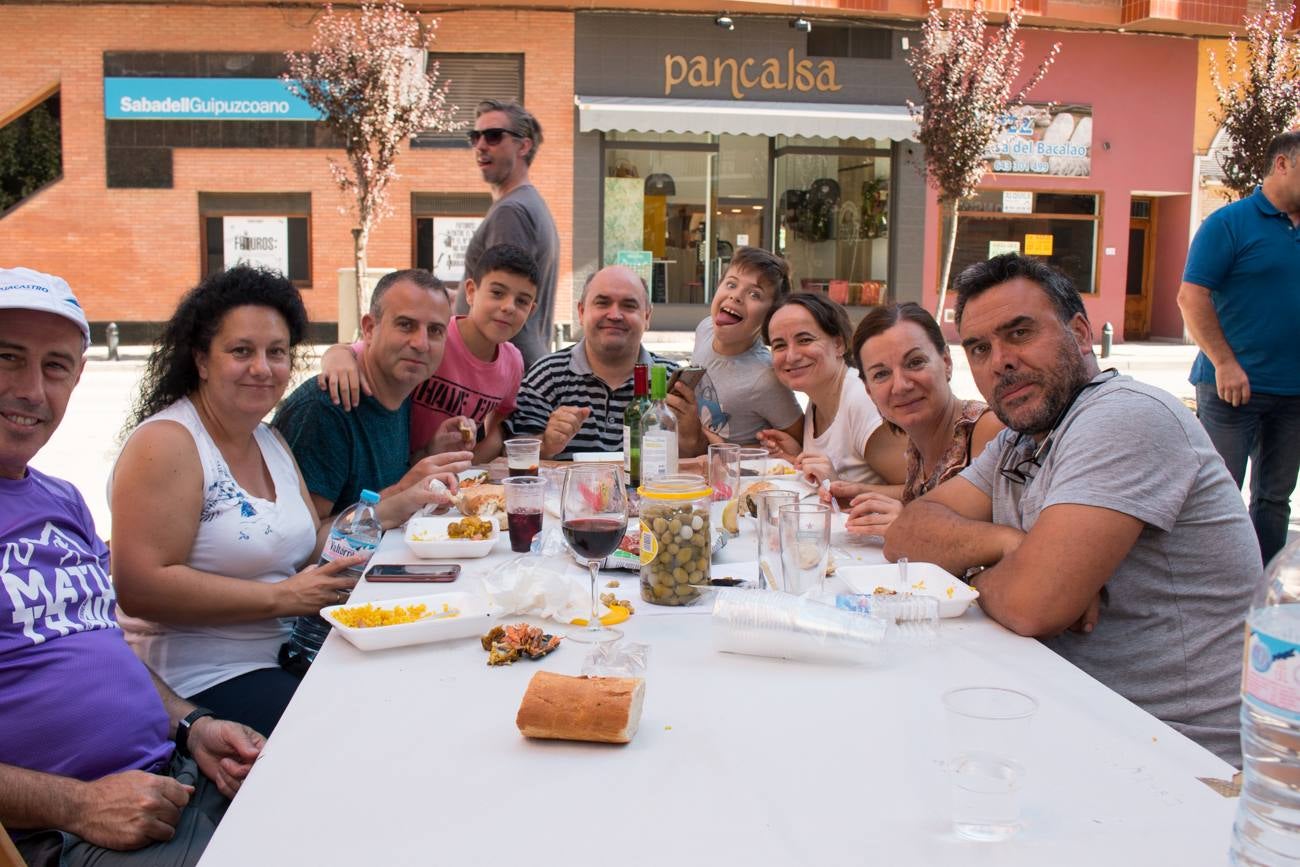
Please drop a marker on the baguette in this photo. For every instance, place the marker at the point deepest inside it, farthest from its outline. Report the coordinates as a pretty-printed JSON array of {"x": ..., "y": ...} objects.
[{"x": 601, "y": 709}]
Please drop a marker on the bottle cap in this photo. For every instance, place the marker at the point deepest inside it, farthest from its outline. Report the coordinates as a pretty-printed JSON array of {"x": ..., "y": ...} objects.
[
  {"x": 370, "y": 497},
  {"x": 658, "y": 382},
  {"x": 641, "y": 379}
]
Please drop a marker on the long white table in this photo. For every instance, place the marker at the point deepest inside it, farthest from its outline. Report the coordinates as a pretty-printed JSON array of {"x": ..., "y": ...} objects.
[{"x": 411, "y": 756}]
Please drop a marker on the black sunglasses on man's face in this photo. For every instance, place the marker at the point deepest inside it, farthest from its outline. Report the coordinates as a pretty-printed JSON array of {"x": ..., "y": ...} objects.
[{"x": 492, "y": 135}]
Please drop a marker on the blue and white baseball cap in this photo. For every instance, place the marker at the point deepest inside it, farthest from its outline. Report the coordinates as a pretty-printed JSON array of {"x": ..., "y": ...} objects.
[{"x": 25, "y": 289}]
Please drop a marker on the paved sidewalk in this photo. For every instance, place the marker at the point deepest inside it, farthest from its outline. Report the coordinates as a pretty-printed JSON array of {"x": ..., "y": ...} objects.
[{"x": 84, "y": 447}]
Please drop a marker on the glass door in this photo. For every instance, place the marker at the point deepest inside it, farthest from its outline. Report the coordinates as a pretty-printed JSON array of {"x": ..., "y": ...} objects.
[
  {"x": 831, "y": 201},
  {"x": 659, "y": 202}
]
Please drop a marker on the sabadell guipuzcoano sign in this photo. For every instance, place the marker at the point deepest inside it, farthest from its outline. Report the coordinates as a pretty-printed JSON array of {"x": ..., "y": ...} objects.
[{"x": 203, "y": 99}]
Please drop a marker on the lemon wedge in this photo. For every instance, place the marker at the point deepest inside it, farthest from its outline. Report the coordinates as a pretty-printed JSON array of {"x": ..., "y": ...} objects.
[
  {"x": 729, "y": 521},
  {"x": 617, "y": 614}
]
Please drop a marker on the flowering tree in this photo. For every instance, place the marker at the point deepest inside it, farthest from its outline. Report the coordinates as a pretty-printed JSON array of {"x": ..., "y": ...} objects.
[
  {"x": 965, "y": 73},
  {"x": 1259, "y": 96},
  {"x": 365, "y": 74}
]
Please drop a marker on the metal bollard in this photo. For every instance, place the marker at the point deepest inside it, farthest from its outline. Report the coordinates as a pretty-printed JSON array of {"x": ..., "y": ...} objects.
[
  {"x": 110, "y": 335},
  {"x": 1107, "y": 336}
]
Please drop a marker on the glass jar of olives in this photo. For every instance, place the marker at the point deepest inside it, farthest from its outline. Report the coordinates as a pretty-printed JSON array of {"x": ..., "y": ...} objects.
[{"x": 676, "y": 540}]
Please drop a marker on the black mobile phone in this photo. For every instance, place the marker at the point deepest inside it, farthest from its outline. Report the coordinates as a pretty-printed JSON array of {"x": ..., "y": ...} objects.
[
  {"x": 689, "y": 375},
  {"x": 413, "y": 572}
]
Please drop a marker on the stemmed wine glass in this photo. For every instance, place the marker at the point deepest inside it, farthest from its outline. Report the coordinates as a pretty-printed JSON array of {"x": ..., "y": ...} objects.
[{"x": 594, "y": 506}]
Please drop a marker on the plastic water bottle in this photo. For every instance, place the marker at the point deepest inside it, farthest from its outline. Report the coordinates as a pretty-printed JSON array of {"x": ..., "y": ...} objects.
[
  {"x": 356, "y": 530},
  {"x": 1267, "y": 830}
]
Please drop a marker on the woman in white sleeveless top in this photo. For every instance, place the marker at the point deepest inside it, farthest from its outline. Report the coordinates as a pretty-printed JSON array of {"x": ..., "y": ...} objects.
[
  {"x": 843, "y": 434},
  {"x": 214, "y": 535}
]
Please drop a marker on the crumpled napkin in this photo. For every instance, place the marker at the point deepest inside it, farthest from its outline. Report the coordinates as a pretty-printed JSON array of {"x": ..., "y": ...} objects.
[
  {"x": 430, "y": 509},
  {"x": 541, "y": 586}
]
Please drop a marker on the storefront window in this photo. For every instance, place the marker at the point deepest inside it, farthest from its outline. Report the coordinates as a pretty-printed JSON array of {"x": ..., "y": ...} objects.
[
  {"x": 742, "y": 214},
  {"x": 1061, "y": 228},
  {"x": 659, "y": 199},
  {"x": 832, "y": 211}
]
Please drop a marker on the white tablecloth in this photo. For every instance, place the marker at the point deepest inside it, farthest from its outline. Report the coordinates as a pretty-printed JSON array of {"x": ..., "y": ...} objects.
[{"x": 411, "y": 756}]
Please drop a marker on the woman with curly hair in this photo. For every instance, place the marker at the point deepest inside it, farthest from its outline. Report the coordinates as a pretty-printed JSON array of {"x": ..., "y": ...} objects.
[{"x": 214, "y": 534}]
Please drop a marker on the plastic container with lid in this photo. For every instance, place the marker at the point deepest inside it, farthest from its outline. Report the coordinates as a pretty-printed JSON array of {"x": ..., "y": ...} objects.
[{"x": 676, "y": 539}]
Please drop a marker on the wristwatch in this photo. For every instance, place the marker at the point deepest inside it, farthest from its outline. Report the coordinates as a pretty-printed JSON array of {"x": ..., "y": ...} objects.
[{"x": 183, "y": 728}]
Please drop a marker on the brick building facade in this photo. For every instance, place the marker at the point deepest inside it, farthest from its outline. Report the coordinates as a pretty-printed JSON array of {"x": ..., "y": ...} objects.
[{"x": 131, "y": 252}]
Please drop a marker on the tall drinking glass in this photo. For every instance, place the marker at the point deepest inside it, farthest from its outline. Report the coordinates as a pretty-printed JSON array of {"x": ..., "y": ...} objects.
[
  {"x": 753, "y": 463},
  {"x": 988, "y": 738},
  {"x": 724, "y": 470},
  {"x": 805, "y": 530},
  {"x": 769, "y": 537},
  {"x": 594, "y": 507}
]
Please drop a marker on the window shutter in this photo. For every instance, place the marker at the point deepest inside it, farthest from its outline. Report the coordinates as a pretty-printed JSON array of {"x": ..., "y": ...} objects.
[{"x": 473, "y": 77}]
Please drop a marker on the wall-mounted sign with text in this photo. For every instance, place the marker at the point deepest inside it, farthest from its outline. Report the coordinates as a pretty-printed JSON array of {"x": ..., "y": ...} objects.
[
  {"x": 748, "y": 74},
  {"x": 451, "y": 237},
  {"x": 262, "y": 242},
  {"x": 203, "y": 99},
  {"x": 1042, "y": 140}
]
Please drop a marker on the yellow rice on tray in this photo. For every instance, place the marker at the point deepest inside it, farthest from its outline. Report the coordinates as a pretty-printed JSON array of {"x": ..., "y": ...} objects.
[{"x": 363, "y": 616}]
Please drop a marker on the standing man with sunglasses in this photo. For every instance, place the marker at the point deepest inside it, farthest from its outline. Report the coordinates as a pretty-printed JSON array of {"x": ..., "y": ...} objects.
[
  {"x": 505, "y": 140},
  {"x": 1109, "y": 526}
]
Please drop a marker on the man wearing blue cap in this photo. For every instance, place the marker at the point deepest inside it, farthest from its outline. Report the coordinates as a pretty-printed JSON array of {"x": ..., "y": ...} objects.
[{"x": 98, "y": 756}]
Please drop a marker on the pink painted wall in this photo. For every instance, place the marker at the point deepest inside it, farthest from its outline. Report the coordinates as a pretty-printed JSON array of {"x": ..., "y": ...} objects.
[
  {"x": 1172, "y": 216},
  {"x": 1143, "y": 95}
]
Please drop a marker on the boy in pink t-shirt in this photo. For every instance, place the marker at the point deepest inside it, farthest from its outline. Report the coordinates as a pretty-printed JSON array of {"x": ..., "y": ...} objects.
[{"x": 473, "y": 390}]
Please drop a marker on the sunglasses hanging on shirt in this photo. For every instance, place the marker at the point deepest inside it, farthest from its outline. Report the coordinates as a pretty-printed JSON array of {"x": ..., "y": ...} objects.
[{"x": 1021, "y": 472}]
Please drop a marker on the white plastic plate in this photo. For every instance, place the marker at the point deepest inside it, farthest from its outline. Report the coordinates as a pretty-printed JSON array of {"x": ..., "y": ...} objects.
[
  {"x": 427, "y": 538},
  {"x": 925, "y": 579},
  {"x": 475, "y": 476},
  {"x": 476, "y": 617},
  {"x": 778, "y": 468}
]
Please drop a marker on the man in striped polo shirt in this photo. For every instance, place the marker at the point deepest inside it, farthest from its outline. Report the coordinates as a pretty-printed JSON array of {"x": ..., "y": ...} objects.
[{"x": 574, "y": 399}]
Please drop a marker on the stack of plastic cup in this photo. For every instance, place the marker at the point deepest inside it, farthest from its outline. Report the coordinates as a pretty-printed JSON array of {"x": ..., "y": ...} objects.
[{"x": 790, "y": 627}]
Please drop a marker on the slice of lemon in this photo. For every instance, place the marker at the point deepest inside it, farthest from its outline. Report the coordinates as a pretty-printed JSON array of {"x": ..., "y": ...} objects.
[
  {"x": 617, "y": 614},
  {"x": 729, "y": 522}
]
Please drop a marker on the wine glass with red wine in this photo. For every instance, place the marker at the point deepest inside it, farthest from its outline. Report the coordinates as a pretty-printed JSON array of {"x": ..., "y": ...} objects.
[{"x": 594, "y": 505}]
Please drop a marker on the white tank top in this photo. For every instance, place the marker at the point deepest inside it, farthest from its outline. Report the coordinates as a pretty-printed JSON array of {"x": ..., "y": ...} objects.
[
  {"x": 241, "y": 536},
  {"x": 845, "y": 440}
]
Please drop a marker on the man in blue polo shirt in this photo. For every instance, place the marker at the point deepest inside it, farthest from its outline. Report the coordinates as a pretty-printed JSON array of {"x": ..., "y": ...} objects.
[{"x": 1240, "y": 299}]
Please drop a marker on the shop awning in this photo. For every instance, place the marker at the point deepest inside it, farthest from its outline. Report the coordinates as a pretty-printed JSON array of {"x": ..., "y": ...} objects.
[{"x": 645, "y": 114}]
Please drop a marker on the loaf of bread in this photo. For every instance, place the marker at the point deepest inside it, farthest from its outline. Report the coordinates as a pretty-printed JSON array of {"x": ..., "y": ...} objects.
[
  {"x": 602, "y": 709},
  {"x": 481, "y": 501}
]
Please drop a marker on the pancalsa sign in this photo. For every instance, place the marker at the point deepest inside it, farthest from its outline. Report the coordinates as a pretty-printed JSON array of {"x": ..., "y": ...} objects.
[{"x": 749, "y": 74}]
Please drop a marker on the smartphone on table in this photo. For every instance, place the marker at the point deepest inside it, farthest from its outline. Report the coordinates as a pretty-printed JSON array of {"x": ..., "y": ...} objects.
[{"x": 401, "y": 573}]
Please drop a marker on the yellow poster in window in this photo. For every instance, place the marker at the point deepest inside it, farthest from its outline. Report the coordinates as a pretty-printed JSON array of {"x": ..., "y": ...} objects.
[{"x": 1038, "y": 245}]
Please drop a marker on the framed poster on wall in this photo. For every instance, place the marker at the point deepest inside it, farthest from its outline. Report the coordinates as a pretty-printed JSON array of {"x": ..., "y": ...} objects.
[
  {"x": 451, "y": 237},
  {"x": 262, "y": 242}
]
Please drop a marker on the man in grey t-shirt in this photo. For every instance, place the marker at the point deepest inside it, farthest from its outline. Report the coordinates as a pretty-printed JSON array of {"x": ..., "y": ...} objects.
[
  {"x": 505, "y": 139},
  {"x": 1110, "y": 527}
]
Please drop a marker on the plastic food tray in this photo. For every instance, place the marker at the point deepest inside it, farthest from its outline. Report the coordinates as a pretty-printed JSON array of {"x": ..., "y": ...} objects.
[
  {"x": 476, "y": 617},
  {"x": 438, "y": 545},
  {"x": 925, "y": 579}
]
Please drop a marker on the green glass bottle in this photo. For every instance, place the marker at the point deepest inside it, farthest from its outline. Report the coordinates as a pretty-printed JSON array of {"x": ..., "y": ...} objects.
[{"x": 632, "y": 423}]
